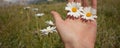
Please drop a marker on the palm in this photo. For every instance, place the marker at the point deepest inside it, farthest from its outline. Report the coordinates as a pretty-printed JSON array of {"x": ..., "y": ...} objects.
[{"x": 70, "y": 29}]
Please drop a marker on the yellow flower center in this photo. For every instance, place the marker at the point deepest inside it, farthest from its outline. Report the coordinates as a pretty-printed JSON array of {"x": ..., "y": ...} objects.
[
  {"x": 89, "y": 14},
  {"x": 74, "y": 9}
]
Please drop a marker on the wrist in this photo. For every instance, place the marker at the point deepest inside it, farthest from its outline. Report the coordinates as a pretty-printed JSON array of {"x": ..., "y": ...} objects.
[{"x": 79, "y": 44}]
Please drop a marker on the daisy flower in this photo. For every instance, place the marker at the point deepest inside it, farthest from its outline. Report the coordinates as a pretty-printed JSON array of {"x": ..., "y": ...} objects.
[
  {"x": 27, "y": 7},
  {"x": 74, "y": 9},
  {"x": 39, "y": 14},
  {"x": 35, "y": 9},
  {"x": 48, "y": 30},
  {"x": 89, "y": 13},
  {"x": 49, "y": 22}
]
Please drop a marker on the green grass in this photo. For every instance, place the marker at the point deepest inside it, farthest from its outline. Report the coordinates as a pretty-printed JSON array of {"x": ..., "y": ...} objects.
[{"x": 19, "y": 28}]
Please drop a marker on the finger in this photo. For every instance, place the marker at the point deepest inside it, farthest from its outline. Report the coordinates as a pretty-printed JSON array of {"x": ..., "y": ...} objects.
[
  {"x": 94, "y": 4},
  {"x": 84, "y": 3},
  {"x": 56, "y": 16},
  {"x": 70, "y": 0},
  {"x": 79, "y": 1}
]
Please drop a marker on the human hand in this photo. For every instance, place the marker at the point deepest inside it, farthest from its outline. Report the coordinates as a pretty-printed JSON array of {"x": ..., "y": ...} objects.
[{"x": 74, "y": 32}]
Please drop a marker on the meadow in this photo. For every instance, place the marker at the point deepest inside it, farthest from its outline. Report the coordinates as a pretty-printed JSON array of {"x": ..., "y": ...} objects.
[{"x": 20, "y": 28}]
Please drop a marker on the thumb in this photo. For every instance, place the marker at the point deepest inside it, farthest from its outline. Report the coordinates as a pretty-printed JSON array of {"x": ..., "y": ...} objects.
[{"x": 56, "y": 16}]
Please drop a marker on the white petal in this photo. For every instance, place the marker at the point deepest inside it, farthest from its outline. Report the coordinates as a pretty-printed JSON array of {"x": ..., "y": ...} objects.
[
  {"x": 39, "y": 14},
  {"x": 87, "y": 9},
  {"x": 73, "y": 4},
  {"x": 46, "y": 33},
  {"x": 67, "y": 8},
  {"x": 82, "y": 14},
  {"x": 69, "y": 4},
  {"x": 77, "y": 14},
  {"x": 79, "y": 4},
  {"x": 93, "y": 11},
  {"x": 70, "y": 13},
  {"x": 35, "y": 9},
  {"x": 95, "y": 16},
  {"x": 80, "y": 9},
  {"x": 49, "y": 22}
]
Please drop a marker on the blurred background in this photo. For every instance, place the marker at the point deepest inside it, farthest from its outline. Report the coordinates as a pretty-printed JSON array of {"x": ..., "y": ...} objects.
[
  {"x": 22, "y": 20},
  {"x": 25, "y": 2}
]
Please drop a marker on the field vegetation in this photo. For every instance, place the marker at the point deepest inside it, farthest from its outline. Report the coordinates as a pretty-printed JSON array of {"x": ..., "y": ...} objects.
[{"x": 20, "y": 28}]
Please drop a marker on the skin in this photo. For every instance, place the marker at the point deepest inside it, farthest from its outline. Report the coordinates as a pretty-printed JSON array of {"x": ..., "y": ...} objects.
[{"x": 75, "y": 33}]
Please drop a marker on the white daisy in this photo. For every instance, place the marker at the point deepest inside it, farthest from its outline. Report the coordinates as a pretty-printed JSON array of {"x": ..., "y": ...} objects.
[
  {"x": 35, "y": 9},
  {"x": 49, "y": 22},
  {"x": 74, "y": 9},
  {"x": 89, "y": 13},
  {"x": 48, "y": 30},
  {"x": 27, "y": 7},
  {"x": 39, "y": 14}
]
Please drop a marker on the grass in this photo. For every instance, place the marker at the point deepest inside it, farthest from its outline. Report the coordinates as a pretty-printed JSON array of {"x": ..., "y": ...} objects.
[{"x": 19, "y": 28}]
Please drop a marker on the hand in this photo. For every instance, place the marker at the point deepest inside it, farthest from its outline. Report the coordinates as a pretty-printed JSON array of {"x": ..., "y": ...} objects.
[{"x": 75, "y": 33}]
